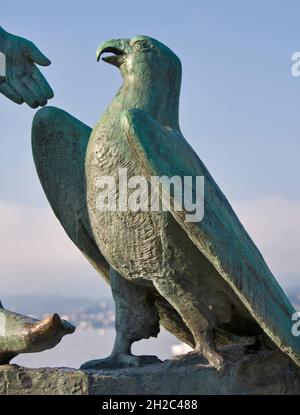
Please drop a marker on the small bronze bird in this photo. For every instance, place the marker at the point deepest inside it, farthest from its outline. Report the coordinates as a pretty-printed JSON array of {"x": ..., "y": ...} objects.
[{"x": 22, "y": 334}]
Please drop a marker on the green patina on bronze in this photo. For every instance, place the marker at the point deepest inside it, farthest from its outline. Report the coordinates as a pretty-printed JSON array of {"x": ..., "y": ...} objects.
[
  {"x": 206, "y": 282},
  {"x": 23, "y": 82}
]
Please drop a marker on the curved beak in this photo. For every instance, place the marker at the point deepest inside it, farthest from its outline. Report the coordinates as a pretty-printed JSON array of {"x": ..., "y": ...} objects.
[{"x": 118, "y": 49}]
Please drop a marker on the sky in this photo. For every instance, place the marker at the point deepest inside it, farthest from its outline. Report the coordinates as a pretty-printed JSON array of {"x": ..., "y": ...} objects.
[{"x": 239, "y": 109}]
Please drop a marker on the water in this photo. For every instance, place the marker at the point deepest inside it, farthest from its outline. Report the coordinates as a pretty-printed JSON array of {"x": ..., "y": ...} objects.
[{"x": 90, "y": 344}]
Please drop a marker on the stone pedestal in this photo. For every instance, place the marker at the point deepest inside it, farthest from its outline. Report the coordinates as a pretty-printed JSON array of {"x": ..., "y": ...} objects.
[{"x": 260, "y": 373}]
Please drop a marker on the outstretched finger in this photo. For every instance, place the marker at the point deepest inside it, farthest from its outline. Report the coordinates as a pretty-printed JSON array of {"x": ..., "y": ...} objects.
[
  {"x": 37, "y": 56},
  {"x": 42, "y": 83},
  {"x": 26, "y": 93},
  {"x": 10, "y": 93},
  {"x": 39, "y": 98}
]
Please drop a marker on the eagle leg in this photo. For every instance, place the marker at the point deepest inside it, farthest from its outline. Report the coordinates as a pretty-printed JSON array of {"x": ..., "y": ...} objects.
[
  {"x": 136, "y": 318},
  {"x": 195, "y": 314}
]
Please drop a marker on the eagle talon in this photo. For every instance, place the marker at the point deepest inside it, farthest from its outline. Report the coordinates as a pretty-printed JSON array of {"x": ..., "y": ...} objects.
[{"x": 215, "y": 360}]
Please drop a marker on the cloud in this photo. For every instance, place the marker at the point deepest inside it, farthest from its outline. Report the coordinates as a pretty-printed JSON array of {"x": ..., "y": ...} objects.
[
  {"x": 32, "y": 235},
  {"x": 36, "y": 255}
]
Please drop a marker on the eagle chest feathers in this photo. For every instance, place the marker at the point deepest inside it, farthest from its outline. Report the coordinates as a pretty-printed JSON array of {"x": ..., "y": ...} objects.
[{"x": 131, "y": 241}]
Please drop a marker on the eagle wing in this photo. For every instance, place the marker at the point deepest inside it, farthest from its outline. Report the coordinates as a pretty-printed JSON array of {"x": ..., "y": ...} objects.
[
  {"x": 59, "y": 144},
  {"x": 220, "y": 236}
]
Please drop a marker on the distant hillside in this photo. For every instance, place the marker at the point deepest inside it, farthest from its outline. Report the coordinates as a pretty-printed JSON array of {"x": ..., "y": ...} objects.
[{"x": 84, "y": 312}]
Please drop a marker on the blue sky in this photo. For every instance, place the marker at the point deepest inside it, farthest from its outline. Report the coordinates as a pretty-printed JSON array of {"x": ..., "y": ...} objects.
[{"x": 239, "y": 110}]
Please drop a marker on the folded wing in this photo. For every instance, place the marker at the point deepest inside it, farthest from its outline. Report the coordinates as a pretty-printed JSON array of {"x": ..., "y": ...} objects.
[{"x": 220, "y": 236}]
